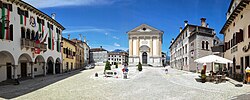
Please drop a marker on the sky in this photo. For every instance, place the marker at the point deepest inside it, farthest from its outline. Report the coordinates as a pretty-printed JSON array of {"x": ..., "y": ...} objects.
[{"x": 106, "y": 22}]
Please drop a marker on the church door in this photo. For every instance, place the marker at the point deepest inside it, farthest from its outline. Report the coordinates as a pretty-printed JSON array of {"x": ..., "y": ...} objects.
[{"x": 144, "y": 58}]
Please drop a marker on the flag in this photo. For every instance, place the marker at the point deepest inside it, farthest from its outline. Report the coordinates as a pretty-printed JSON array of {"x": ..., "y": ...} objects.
[
  {"x": 23, "y": 16},
  {"x": 5, "y": 25}
]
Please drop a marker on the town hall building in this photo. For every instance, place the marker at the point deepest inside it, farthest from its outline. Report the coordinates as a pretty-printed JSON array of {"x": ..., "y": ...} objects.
[{"x": 145, "y": 46}]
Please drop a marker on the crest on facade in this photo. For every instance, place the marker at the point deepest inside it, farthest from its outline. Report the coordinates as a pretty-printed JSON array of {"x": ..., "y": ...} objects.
[
  {"x": 32, "y": 21},
  {"x": 144, "y": 48}
]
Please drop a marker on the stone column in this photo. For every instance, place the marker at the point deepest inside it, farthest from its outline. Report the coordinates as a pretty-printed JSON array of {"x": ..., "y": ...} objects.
[
  {"x": 45, "y": 68},
  {"x": 157, "y": 46},
  {"x": 54, "y": 69},
  {"x": 32, "y": 69},
  {"x": 15, "y": 71},
  {"x": 151, "y": 46},
  {"x": 138, "y": 46},
  {"x": 130, "y": 47},
  {"x": 160, "y": 47}
]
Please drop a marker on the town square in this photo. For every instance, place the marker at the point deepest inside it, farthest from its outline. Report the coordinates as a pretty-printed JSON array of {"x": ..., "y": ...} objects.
[{"x": 125, "y": 49}]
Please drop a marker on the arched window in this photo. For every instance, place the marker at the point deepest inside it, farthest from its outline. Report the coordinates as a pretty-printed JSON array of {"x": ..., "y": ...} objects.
[
  {"x": 207, "y": 45},
  {"x": 23, "y": 32},
  {"x": 28, "y": 34},
  {"x": 203, "y": 44}
]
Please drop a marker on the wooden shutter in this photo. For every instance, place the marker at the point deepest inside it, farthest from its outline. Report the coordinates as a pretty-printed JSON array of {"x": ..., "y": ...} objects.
[
  {"x": 1, "y": 34},
  {"x": 248, "y": 31},
  {"x": 1, "y": 4},
  {"x": 241, "y": 35},
  {"x": 237, "y": 37},
  {"x": 11, "y": 32}
]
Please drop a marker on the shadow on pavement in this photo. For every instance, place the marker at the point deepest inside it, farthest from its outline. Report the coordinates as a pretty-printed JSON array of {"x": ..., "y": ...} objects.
[{"x": 27, "y": 86}]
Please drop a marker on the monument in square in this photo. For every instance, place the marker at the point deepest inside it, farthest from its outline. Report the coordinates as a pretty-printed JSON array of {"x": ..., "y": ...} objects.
[{"x": 145, "y": 46}]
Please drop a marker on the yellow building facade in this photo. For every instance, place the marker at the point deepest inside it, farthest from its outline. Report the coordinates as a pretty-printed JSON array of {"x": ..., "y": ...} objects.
[{"x": 69, "y": 55}]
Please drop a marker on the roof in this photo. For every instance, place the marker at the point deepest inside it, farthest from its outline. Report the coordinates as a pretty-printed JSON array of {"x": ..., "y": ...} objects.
[
  {"x": 28, "y": 6},
  {"x": 69, "y": 41},
  {"x": 184, "y": 30},
  {"x": 97, "y": 49},
  {"x": 117, "y": 53},
  {"x": 234, "y": 14},
  {"x": 142, "y": 26}
]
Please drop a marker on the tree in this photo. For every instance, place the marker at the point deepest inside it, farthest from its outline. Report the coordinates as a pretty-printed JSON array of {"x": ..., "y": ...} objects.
[
  {"x": 107, "y": 66},
  {"x": 139, "y": 66}
]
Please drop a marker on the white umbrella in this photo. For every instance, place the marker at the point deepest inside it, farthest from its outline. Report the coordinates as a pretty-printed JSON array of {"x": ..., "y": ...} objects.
[{"x": 213, "y": 59}]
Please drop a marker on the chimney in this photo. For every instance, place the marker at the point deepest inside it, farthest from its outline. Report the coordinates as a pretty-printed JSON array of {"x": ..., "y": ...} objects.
[
  {"x": 68, "y": 36},
  {"x": 84, "y": 39},
  {"x": 80, "y": 36},
  {"x": 203, "y": 22},
  {"x": 186, "y": 22},
  {"x": 53, "y": 15},
  {"x": 180, "y": 29},
  {"x": 207, "y": 25},
  {"x": 100, "y": 46}
]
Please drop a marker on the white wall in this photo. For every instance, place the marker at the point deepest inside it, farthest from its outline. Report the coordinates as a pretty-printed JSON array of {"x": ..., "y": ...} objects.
[{"x": 14, "y": 47}]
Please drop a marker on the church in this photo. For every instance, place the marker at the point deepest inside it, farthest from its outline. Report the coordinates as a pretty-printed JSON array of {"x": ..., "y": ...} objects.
[{"x": 145, "y": 46}]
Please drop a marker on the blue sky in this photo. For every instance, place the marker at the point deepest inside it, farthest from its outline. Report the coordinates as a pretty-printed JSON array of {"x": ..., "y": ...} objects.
[{"x": 105, "y": 22}]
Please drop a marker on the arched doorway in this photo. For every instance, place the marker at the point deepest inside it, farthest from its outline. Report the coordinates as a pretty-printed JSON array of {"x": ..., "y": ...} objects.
[
  {"x": 144, "y": 58},
  {"x": 24, "y": 62},
  {"x": 6, "y": 65},
  {"x": 39, "y": 66},
  {"x": 58, "y": 65},
  {"x": 50, "y": 65}
]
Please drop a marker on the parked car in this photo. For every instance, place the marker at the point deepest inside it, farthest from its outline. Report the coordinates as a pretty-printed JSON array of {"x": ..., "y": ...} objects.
[{"x": 90, "y": 66}]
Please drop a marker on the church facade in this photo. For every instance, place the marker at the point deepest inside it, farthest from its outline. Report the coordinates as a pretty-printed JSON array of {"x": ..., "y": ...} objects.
[{"x": 145, "y": 46}]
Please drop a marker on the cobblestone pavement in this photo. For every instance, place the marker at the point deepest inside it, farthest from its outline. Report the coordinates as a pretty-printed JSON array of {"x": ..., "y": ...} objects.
[{"x": 150, "y": 84}]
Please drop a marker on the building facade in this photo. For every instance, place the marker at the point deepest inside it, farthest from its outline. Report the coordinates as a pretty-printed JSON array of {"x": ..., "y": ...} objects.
[
  {"x": 79, "y": 53},
  {"x": 68, "y": 55},
  {"x": 236, "y": 32},
  {"x": 86, "y": 53},
  {"x": 118, "y": 57},
  {"x": 98, "y": 56},
  {"x": 30, "y": 41},
  {"x": 193, "y": 42},
  {"x": 145, "y": 46}
]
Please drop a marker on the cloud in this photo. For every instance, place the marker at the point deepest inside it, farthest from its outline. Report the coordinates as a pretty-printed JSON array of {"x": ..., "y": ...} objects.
[
  {"x": 60, "y": 3},
  {"x": 86, "y": 29},
  {"x": 106, "y": 33},
  {"x": 115, "y": 37},
  {"x": 117, "y": 45}
]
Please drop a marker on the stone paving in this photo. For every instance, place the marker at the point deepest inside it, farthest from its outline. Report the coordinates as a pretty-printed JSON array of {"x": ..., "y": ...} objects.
[{"x": 150, "y": 84}]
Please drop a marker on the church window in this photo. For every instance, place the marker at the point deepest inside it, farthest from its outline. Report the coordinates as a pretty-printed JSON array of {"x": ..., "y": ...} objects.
[{"x": 207, "y": 45}]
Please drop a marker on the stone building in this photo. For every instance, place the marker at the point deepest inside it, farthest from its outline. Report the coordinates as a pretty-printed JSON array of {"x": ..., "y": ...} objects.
[
  {"x": 119, "y": 57},
  {"x": 145, "y": 46},
  {"x": 236, "y": 31},
  {"x": 29, "y": 41},
  {"x": 193, "y": 42},
  {"x": 68, "y": 55},
  {"x": 98, "y": 56}
]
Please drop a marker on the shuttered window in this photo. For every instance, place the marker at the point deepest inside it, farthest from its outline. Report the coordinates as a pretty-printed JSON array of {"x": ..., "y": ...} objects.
[
  {"x": 202, "y": 45},
  {"x": 248, "y": 31},
  {"x": 11, "y": 32}
]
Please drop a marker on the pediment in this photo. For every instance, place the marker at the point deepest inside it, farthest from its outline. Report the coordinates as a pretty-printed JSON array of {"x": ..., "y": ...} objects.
[{"x": 144, "y": 28}]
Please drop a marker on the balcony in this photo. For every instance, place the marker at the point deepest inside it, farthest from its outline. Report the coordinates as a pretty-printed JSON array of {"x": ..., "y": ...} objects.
[
  {"x": 27, "y": 43},
  {"x": 70, "y": 56}
]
